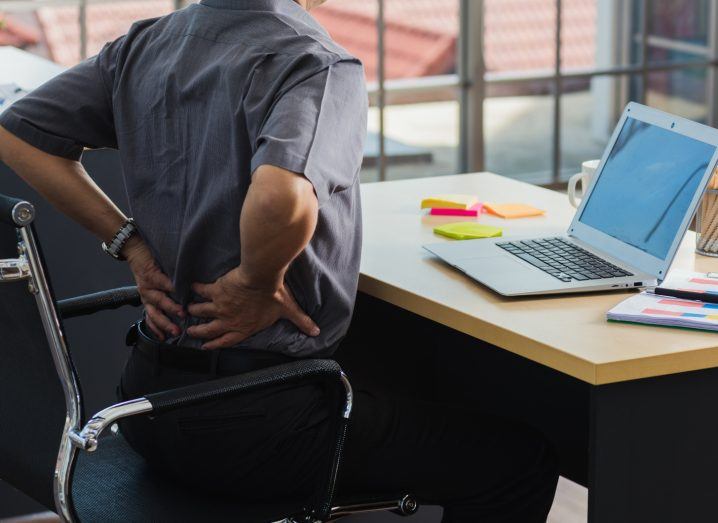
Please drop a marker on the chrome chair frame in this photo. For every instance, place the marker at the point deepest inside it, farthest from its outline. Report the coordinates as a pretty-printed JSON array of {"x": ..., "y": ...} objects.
[{"x": 28, "y": 266}]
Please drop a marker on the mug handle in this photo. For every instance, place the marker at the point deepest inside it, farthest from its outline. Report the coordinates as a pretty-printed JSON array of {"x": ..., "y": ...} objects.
[{"x": 572, "y": 189}]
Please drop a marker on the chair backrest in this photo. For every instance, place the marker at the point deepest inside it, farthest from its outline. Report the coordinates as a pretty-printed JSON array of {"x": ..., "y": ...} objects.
[{"x": 34, "y": 413}]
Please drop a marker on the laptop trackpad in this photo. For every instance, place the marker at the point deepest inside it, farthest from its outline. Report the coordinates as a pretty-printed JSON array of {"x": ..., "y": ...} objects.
[{"x": 505, "y": 274}]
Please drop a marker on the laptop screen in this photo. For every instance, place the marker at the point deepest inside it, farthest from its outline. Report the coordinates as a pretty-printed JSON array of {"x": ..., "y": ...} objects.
[{"x": 646, "y": 186}]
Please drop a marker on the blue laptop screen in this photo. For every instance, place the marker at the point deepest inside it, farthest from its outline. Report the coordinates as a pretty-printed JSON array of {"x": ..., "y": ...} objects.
[{"x": 646, "y": 186}]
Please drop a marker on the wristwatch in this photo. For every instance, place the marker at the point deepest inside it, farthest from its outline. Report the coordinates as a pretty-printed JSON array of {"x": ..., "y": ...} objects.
[{"x": 120, "y": 239}]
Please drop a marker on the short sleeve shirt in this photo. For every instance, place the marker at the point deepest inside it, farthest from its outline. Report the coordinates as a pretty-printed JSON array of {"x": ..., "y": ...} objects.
[{"x": 195, "y": 101}]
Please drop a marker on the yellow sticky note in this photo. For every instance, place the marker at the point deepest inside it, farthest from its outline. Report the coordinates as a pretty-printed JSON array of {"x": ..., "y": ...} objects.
[
  {"x": 513, "y": 210},
  {"x": 467, "y": 231},
  {"x": 449, "y": 201}
]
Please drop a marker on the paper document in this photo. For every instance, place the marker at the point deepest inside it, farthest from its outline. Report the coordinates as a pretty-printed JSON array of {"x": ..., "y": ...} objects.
[
  {"x": 653, "y": 309},
  {"x": 450, "y": 201},
  {"x": 474, "y": 210},
  {"x": 467, "y": 231},
  {"x": 9, "y": 93},
  {"x": 513, "y": 210}
]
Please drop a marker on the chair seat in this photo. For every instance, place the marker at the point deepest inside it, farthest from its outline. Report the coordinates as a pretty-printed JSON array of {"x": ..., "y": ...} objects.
[{"x": 114, "y": 484}]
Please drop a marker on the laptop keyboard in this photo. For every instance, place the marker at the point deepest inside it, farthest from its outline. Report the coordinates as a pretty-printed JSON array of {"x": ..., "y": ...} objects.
[{"x": 563, "y": 260}]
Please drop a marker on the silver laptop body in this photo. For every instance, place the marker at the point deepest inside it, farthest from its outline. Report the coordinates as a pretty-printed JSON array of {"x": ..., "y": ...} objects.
[{"x": 629, "y": 226}]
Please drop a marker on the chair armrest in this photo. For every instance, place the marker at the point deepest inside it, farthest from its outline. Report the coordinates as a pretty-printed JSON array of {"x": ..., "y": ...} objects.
[
  {"x": 86, "y": 439},
  {"x": 167, "y": 401},
  {"x": 296, "y": 371},
  {"x": 98, "y": 301},
  {"x": 15, "y": 212}
]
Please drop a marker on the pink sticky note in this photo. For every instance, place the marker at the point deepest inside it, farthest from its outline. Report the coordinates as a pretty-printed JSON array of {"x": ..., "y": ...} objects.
[{"x": 474, "y": 210}]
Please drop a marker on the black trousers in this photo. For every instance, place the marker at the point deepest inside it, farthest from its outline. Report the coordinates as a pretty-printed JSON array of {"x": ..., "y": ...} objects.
[{"x": 263, "y": 446}]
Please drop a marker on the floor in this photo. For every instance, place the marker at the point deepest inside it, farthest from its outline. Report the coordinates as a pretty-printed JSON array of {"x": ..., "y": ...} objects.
[{"x": 570, "y": 506}]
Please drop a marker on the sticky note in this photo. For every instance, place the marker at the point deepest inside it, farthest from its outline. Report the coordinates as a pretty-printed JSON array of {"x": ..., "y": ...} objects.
[
  {"x": 467, "y": 231},
  {"x": 474, "y": 210},
  {"x": 513, "y": 210},
  {"x": 449, "y": 201}
]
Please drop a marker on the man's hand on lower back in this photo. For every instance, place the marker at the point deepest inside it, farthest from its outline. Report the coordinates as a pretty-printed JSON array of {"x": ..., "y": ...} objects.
[
  {"x": 153, "y": 286},
  {"x": 278, "y": 219},
  {"x": 237, "y": 309}
]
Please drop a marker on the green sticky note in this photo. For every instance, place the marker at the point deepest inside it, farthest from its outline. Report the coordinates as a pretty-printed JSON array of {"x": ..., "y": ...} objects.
[{"x": 468, "y": 231}]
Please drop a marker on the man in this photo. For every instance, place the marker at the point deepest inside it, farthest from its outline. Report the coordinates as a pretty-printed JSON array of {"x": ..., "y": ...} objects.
[{"x": 245, "y": 112}]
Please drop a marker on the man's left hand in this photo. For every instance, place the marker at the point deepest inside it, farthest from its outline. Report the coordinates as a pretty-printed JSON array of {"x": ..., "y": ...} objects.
[{"x": 153, "y": 286}]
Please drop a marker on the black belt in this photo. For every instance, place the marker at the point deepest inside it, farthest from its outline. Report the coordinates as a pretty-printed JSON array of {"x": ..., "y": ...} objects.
[{"x": 221, "y": 362}]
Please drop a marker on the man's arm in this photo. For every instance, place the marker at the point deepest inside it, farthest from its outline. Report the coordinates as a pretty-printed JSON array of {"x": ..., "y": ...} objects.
[
  {"x": 278, "y": 220},
  {"x": 68, "y": 187},
  {"x": 64, "y": 183}
]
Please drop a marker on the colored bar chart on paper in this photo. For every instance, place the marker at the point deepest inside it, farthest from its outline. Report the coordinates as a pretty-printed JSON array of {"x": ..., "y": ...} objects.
[
  {"x": 671, "y": 312},
  {"x": 705, "y": 281},
  {"x": 687, "y": 303},
  {"x": 655, "y": 310}
]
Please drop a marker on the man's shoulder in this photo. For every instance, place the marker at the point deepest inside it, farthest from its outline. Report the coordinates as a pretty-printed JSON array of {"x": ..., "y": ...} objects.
[{"x": 305, "y": 35}]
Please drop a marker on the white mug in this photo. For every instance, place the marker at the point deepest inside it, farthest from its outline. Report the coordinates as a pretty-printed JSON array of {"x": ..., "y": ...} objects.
[{"x": 588, "y": 168}]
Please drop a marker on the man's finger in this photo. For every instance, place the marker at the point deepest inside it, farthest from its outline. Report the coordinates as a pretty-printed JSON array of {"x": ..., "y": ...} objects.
[
  {"x": 298, "y": 317},
  {"x": 161, "y": 321},
  {"x": 157, "y": 332},
  {"x": 203, "y": 310},
  {"x": 160, "y": 280},
  {"x": 203, "y": 289},
  {"x": 227, "y": 340},
  {"x": 160, "y": 300},
  {"x": 208, "y": 331}
]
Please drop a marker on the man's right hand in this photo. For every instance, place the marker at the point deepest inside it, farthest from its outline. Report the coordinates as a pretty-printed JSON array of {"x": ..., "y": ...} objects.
[{"x": 238, "y": 309}]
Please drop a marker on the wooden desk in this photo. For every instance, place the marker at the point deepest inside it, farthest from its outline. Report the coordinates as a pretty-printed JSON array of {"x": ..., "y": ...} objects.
[
  {"x": 567, "y": 333},
  {"x": 630, "y": 408}
]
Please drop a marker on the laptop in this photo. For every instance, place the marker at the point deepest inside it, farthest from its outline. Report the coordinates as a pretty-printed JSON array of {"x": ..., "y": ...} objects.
[{"x": 630, "y": 222}]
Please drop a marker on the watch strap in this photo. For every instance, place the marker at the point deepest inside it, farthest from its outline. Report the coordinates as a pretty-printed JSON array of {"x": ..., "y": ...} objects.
[{"x": 114, "y": 247}]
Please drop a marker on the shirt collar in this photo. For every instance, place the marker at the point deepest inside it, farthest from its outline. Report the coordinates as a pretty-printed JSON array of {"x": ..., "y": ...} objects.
[{"x": 287, "y": 7}]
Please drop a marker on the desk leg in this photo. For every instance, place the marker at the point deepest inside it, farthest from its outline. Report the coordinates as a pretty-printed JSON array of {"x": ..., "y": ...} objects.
[{"x": 654, "y": 450}]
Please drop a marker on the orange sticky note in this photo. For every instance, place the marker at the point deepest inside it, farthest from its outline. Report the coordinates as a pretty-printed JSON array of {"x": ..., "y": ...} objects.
[{"x": 513, "y": 210}]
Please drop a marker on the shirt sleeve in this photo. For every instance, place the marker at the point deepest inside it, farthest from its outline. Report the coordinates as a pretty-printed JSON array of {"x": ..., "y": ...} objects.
[
  {"x": 317, "y": 128},
  {"x": 71, "y": 111}
]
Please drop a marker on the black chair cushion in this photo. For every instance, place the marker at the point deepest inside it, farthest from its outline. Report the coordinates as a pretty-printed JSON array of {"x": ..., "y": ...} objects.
[{"x": 114, "y": 484}]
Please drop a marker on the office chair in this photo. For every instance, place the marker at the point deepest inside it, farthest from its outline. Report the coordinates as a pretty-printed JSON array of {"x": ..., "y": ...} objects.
[{"x": 51, "y": 453}]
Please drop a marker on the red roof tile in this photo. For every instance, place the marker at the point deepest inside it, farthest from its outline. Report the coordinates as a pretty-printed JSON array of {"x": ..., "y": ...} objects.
[
  {"x": 519, "y": 34},
  {"x": 16, "y": 33},
  {"x": 420, "y": 34},
  {"x": 411, "y": 50},
  {"x": 105, "y": 22}
]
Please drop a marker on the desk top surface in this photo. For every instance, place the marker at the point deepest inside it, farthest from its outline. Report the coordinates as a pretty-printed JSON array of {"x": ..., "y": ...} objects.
[
  {"x": 25, "y": 69},
  {"x": 568, "y": 333}
]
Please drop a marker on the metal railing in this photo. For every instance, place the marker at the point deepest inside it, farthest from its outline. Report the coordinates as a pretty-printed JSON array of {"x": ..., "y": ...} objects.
[{"x": 472, "y": 78}]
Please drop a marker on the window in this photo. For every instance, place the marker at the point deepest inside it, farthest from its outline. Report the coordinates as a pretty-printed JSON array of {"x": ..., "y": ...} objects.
[
  {"x": 563, "y": 102},
  {"x": 524, "y": 88},
  {"x": 409, "y": 50}
]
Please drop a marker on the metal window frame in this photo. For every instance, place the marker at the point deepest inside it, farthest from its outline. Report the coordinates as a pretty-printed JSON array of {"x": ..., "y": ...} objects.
[{"x": 472, "y": 78}]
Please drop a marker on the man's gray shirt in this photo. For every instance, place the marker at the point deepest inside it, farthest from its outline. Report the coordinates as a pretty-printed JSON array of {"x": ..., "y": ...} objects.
[{"x": 195, "y": 102}]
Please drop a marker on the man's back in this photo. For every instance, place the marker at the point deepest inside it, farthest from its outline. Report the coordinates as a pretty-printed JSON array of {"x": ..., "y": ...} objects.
[
  {"x": 194, "y": 91},
  {"x": 200, "y": 99}
]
